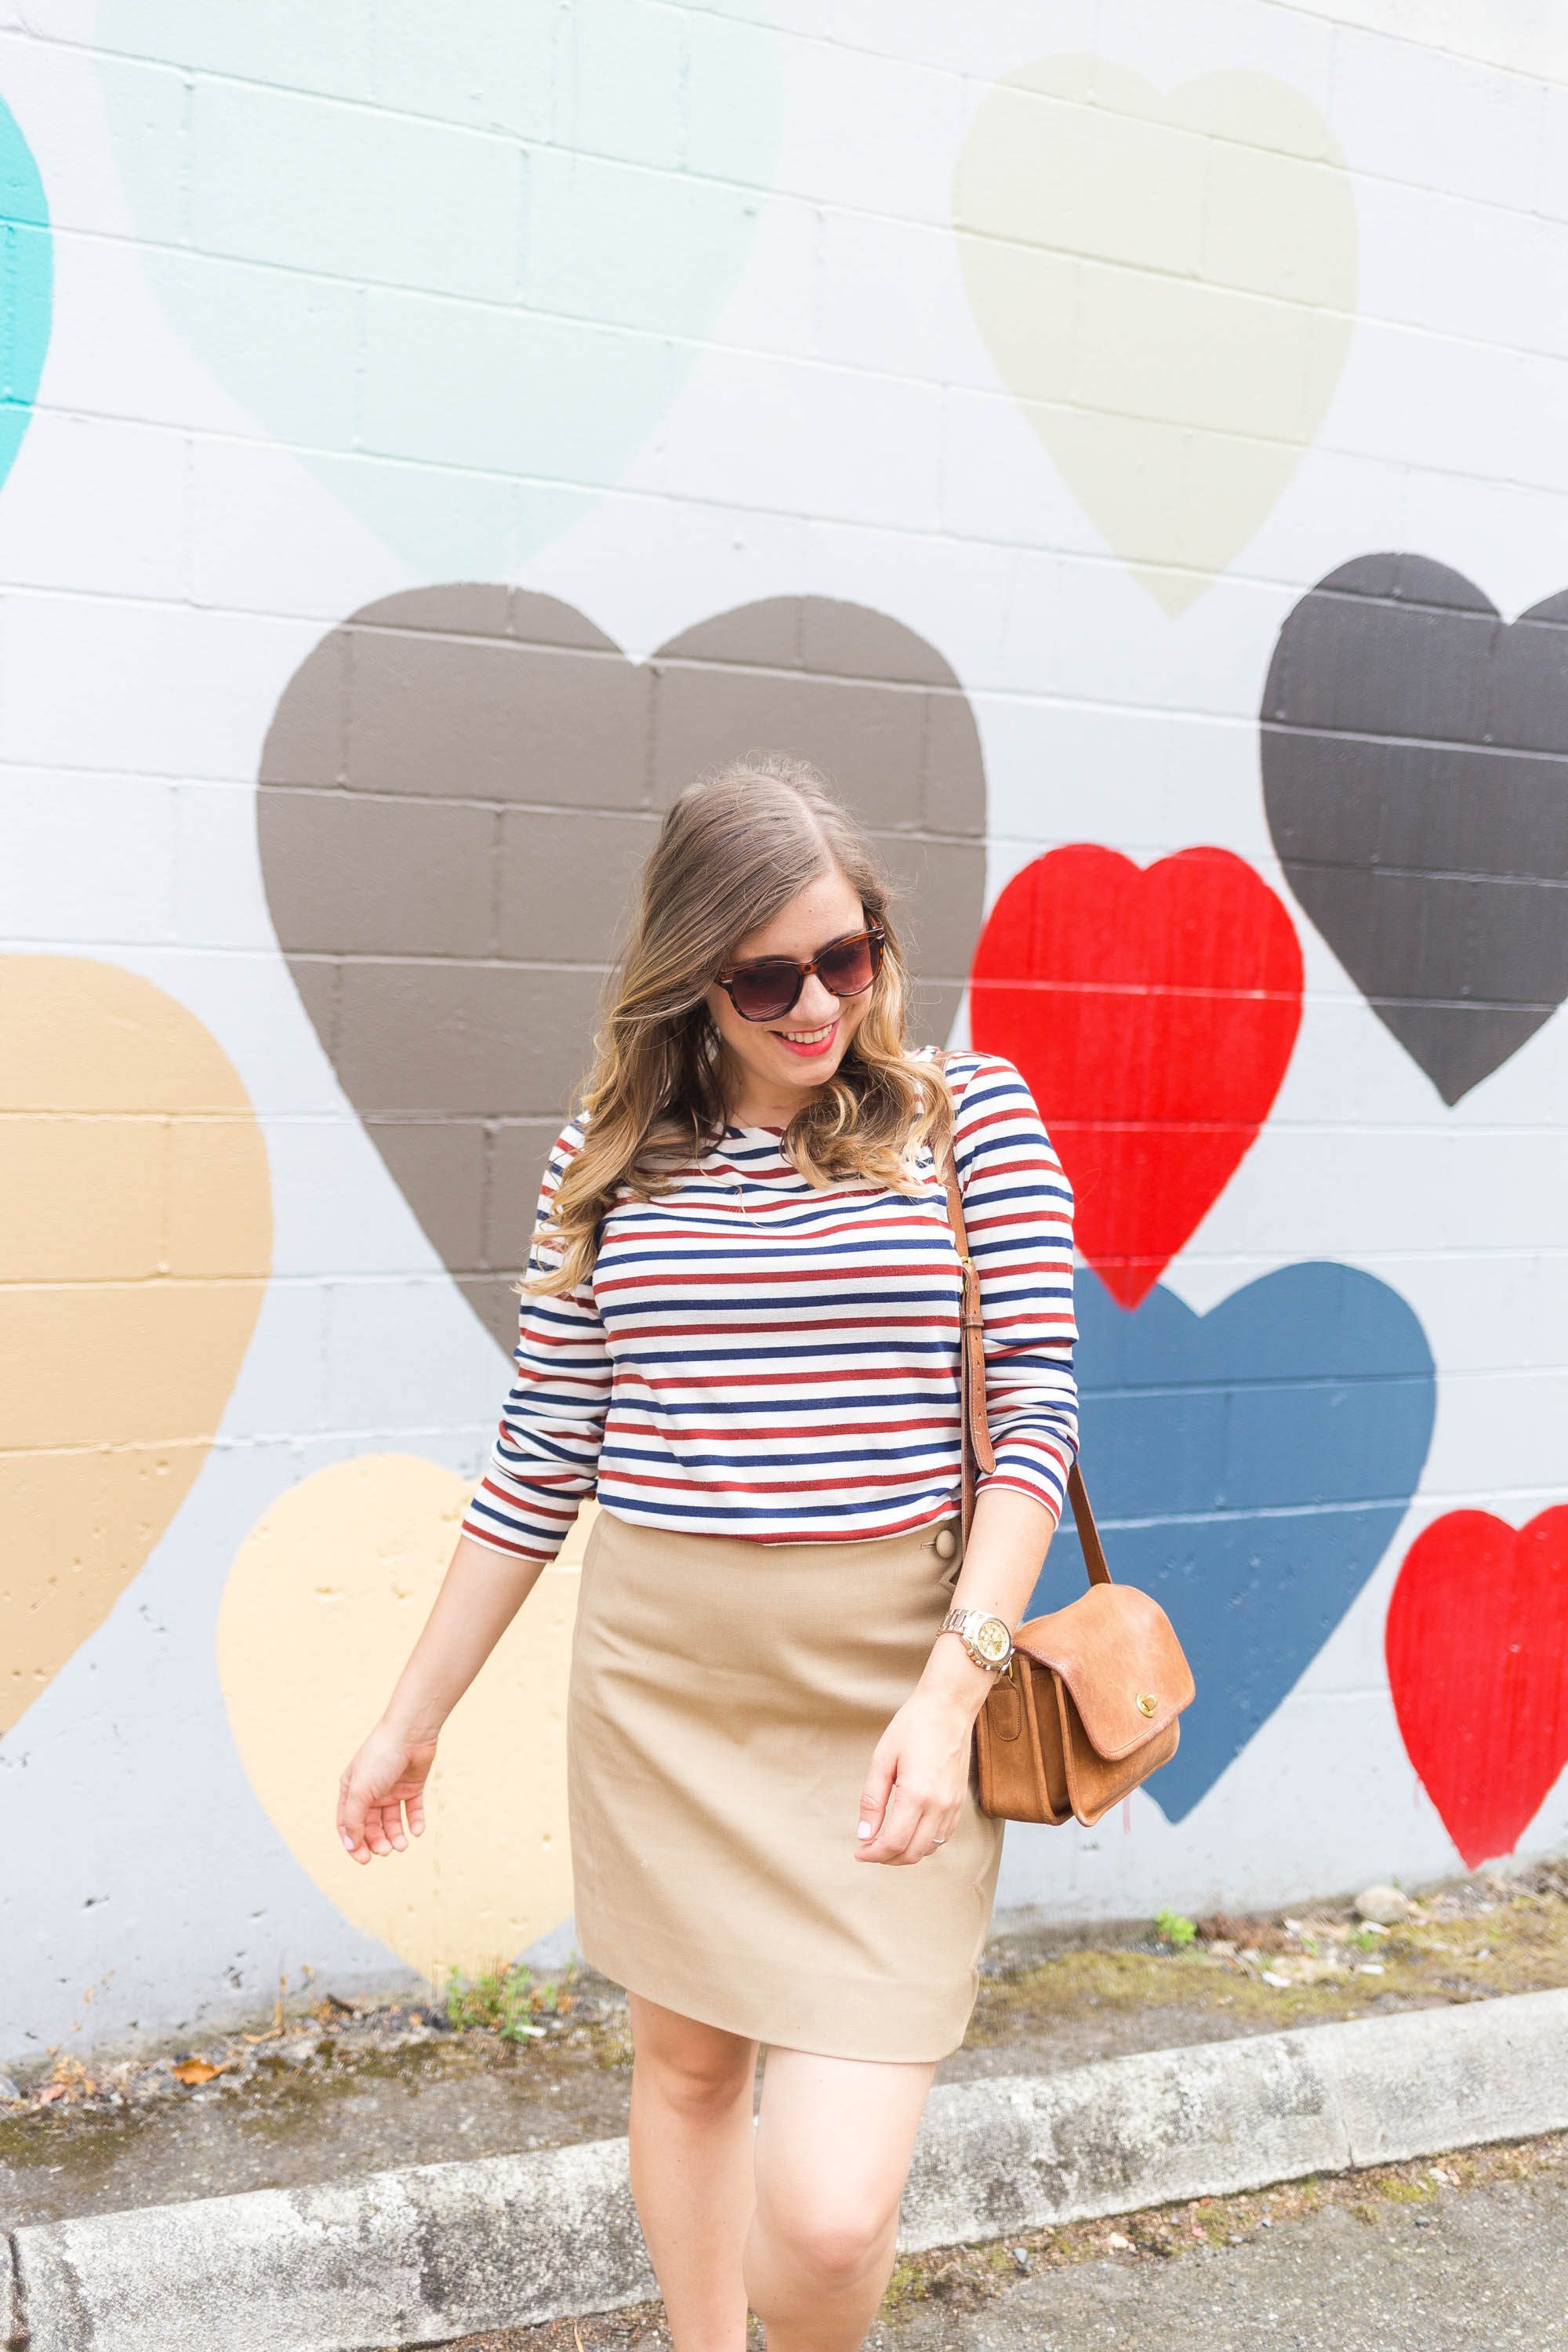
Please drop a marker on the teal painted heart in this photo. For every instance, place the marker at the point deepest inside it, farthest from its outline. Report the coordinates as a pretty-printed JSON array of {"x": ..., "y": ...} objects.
[
  {"x": 26, "y": 285},
  {"x": 460, "y": 261}
]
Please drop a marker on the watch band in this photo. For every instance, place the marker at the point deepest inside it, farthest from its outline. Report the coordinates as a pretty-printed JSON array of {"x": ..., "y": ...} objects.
[{"x": 992, "y": 1650}]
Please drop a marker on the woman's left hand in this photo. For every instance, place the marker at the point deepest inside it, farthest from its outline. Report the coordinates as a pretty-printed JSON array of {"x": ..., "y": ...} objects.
[{"x": 918, "y": 1780}]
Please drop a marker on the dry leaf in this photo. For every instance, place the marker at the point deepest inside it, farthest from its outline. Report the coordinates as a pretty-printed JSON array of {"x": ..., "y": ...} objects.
[{"x": 193, "y": 2071}]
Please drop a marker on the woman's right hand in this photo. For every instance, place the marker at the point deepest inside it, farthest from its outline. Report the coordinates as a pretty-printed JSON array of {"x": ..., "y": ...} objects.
[{"x": 385, "y": 1782}]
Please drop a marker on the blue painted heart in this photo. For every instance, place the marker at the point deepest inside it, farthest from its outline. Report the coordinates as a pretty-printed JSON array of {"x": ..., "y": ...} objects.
[{"x": 1249, "y": 1467}]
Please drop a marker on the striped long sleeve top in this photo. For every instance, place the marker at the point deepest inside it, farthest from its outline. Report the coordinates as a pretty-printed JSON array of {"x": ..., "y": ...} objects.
[{"x": 753, "y": 1357}]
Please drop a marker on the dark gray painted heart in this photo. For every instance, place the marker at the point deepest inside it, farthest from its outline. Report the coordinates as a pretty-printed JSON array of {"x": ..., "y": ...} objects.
[
  {"x": 1415, "y": 752},
  {"x": 457, "y": 788}
]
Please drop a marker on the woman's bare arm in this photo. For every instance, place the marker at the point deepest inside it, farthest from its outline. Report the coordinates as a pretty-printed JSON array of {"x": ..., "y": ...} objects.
[
  {"x": 480, "y": 1594},
  {"x": 924, "y": 1752}
]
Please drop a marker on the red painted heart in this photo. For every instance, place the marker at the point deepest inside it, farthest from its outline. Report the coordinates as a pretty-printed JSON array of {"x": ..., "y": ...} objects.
[
  {"x": 1476, "y": 1645},
  {"x": 1153, "y": 1012}
]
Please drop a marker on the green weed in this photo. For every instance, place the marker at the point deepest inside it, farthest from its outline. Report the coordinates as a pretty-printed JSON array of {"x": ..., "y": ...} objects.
[
  {"x": 506, "y": 2001},
  {"x": 1173, "y": 1928}
]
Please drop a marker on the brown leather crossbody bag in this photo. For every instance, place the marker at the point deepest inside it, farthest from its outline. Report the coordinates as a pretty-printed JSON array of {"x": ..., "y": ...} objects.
[{"x": 1087, "y": 1708}]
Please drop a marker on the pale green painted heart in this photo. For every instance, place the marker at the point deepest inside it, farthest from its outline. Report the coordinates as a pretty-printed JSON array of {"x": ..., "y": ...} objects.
[
  {"x": 460, "y": 258},
  {"x": 1168, "y": 286}
]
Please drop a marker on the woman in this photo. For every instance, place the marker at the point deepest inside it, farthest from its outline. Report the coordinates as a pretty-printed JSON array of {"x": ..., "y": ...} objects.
[{"x": 741, "y": 1325}]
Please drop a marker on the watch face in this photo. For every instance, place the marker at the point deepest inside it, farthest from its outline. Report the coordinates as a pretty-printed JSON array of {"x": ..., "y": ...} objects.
[{"x": 992, "y": 1638}]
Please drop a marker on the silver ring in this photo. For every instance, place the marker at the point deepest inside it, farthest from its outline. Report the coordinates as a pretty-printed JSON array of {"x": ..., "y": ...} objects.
[{"x": 939, "y": 1841}]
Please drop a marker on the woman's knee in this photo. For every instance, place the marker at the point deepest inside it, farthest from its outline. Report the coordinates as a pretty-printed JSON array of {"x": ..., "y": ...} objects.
[
  {"x": 831, "y": 2245},
  {"x": 695, "y": 2069}
]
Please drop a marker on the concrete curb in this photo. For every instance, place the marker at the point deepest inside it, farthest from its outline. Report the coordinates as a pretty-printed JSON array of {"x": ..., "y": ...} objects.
[
  {"x": 447, "y": 2250},
  {"x": 1022, "y": 2152}
]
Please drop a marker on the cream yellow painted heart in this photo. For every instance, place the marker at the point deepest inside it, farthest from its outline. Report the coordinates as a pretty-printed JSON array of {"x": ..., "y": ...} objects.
[
  {"x": 321, "y": 1607},
  {"x": 1168, "y": 286},
  {"x": 134, "y": 1246}
]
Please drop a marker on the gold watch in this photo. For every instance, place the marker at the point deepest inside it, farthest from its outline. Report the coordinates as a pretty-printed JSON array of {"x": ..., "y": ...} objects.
[{"x": 983, "y": 1635}]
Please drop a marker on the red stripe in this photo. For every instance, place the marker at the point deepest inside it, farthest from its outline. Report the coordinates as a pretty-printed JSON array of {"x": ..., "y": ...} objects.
[{"x": 705, "y": 1486}]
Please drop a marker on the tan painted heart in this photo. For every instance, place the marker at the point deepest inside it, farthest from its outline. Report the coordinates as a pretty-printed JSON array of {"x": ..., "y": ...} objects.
[
  {"x": 1168, "y": 286},
  {"x": 134, "y": 1248},
  {"x": 321, "y": 1607}
]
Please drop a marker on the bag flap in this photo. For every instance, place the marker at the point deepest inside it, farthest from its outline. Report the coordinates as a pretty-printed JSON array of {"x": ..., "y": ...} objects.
[{"x": 1118, "y": 1653}]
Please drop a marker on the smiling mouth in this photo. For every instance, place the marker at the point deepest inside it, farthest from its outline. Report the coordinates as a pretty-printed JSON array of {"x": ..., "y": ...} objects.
[{"x": 808, "y": 1043}]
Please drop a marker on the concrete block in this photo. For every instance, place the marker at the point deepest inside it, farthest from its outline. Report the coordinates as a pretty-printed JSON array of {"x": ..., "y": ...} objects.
[
  {"x": 1023, "y": 2153},
  {"x": 277, "y": 175},
  {"x": 434, "y": 708},
  {"x": 1438, "y": 121},
  {"x": 624, "y": 93},
  {"x": 876, "y": 306},
  {"x": 417, "y": 2256},
  {"x": 357, "y": 874},
  {"x": 97, "y": 860},
  {"x": 902, "y": 171},
  {"x": 833, "y": 444},
  {"x": 158, "y": 690},
  {"x": 79, "y": 469},
  {"x": 452, "y": 1038},
  {"x": 425, "y": 65}
]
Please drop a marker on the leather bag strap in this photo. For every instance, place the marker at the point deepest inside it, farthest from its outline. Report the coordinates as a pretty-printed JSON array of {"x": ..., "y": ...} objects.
[{"x": 978, "y": 1454}]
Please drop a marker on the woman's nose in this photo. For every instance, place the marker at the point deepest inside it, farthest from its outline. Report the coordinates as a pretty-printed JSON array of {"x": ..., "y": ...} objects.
[{"x": 814, "y": 1005}]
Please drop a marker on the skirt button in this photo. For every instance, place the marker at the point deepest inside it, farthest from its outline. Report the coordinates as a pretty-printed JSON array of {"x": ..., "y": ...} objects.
[{"x": 946, "y": 1543}]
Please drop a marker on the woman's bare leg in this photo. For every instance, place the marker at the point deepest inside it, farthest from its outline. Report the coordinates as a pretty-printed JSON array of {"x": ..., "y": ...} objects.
[
  {"x": 833, "y": 2147},
  {"x": 691, "y": 2170}
]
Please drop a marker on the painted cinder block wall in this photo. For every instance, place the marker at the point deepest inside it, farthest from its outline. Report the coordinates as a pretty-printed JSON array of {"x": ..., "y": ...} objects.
[{"x": 1125, "y": 446}]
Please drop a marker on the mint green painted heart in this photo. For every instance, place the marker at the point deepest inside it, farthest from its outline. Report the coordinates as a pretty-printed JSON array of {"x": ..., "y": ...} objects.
[
  {"x": 26, "y": 285},
  {"x": 460, "y": 261}
]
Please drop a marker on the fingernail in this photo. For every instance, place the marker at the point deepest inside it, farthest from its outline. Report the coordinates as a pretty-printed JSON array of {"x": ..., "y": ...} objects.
[
  {"x": 864, "y": 1830},
  {"x": 348, "y": 1842}
]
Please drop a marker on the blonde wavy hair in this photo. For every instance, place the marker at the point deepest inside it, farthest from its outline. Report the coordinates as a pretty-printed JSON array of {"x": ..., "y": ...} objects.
[{"x": 735, "y": 847}]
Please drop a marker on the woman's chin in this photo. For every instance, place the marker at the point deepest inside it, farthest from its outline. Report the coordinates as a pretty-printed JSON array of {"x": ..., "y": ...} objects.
[{"x": 809, "y": 1071}]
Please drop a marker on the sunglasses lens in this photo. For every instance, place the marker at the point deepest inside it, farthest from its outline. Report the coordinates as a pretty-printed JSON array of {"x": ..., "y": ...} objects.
[
  {"x": 763, "y": 991},
  {"x": 766, "y": 992},
  {"x": 848, "y": 970}
]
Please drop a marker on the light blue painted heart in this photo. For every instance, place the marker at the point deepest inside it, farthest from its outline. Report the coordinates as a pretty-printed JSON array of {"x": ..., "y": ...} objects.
[
  {"x": 459, "y": 258},
  {"x": 1249, "y": 1468},
  {"x": 26, "y": 285}
]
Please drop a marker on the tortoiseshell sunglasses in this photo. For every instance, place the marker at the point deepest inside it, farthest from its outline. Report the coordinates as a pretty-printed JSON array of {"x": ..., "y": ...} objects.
[{"x": 767, "y": 990}]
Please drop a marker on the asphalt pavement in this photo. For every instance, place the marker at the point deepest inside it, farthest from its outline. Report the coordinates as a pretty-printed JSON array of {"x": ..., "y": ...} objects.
[{"x": 1476, "y": 2269}]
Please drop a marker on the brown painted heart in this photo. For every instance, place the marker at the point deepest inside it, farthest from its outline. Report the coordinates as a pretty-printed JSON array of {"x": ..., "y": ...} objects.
[{"x": 455, "y": 791}]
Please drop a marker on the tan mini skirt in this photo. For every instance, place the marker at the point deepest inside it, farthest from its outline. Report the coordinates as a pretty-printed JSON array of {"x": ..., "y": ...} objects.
[{"x": 725, "y": 1699}]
